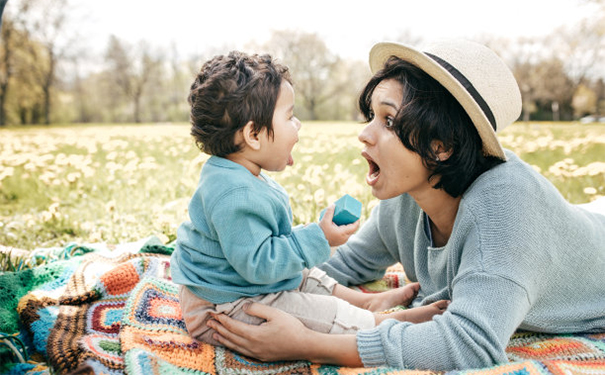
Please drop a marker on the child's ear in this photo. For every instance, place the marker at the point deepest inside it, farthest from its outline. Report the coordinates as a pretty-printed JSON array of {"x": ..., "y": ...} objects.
[
  {"x": 440, "y": 151},
  {"x": 251, "y": 136}
]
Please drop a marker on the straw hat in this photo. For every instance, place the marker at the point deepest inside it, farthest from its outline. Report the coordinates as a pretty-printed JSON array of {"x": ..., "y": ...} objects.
[{"x": 473, "y": 74}]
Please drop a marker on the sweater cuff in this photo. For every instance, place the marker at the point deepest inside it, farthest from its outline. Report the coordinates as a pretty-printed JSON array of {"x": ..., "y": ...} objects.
[
  {"x": 311, "y": 243},
  {"x": 370, "y": 348}
]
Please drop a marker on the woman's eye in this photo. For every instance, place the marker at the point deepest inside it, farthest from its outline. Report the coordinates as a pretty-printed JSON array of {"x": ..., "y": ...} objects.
[
  {"x": 389, "y": 122},
  {"x": 370, "y": 116}
]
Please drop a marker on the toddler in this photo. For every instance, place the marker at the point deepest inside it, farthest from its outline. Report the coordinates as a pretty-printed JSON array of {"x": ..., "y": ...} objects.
[{"x": 239, "y": 245}]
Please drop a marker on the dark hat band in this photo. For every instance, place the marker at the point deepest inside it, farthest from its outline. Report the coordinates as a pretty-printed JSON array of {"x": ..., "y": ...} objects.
[{"x": 468, "y": 86}]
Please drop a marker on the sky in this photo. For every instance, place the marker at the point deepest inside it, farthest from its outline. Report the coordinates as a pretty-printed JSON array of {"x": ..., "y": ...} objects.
[{"x": 349, "y": 28}]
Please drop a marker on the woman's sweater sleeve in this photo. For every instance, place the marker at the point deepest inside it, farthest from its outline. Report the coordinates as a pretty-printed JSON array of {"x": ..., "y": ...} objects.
[
  {"x": 473, "y": 332},
  {"x": 363, "y": 258},
  {"x": 249, "y": 234}
]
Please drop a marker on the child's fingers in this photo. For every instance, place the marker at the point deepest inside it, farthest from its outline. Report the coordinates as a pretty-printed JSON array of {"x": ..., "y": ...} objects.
[
  {"x": 441, "y": 305},
  {"x": 349, "y": 229},
  {"x": 414, "y": 286},
  {"x": 329, "y": 213}
]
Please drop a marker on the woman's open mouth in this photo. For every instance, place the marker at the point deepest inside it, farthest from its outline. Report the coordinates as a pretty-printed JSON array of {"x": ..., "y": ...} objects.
[{"x": 374, "y": 171}]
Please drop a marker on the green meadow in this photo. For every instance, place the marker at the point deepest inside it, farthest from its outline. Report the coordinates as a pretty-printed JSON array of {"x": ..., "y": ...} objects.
[{"x": 119, "y": 183}]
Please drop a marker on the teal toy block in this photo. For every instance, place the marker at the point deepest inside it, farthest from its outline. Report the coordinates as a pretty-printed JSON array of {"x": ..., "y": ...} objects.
[{"x": 347, "y": 210}]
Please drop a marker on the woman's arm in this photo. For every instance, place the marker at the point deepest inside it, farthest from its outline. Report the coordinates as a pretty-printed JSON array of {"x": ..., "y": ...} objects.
[
  {"x": 474, "y": 332},
  {"x": 283, "y": 337},
  {"x": 368, "y": 253}
]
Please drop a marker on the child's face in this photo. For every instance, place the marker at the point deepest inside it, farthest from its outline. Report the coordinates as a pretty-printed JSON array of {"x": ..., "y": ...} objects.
[{"x": 277, "y": 151}]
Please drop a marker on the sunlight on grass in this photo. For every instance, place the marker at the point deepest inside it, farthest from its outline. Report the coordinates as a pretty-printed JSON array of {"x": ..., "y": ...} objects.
[{"x": 121, "y": 183}]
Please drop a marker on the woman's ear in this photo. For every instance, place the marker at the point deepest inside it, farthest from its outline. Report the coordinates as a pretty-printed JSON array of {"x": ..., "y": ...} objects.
[
  {"x": 250, "y": 136},
  {"x": 440, "y": 151}
]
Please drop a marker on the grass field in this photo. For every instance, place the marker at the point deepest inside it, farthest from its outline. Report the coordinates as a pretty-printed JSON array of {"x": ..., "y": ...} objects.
[{"x": 121, "y": 183}]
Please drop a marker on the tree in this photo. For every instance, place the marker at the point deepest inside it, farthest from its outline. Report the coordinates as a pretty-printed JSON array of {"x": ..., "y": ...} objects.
[
  {"x": 343, "y": 106},
  {"x": 131, "y": 70},
  {"x": 83, "y": 111},
  {"x": 599, "y": 89},
  {"x": 584, "y": 101},
  {"x": 179, "y": 82},
  {"x": 6, "y": 64},
  {"x": 524, "y": 56},
  {"x": 580, "y": 47},
  {"x": 26, "y": 94},
  {"x": 554, "y": 89},
  {"x": 2, "y": 4},
  {"x": 313, "y": 68},
  {"x": 20, "y": 96},
  {"x": 47, "y": 24}
]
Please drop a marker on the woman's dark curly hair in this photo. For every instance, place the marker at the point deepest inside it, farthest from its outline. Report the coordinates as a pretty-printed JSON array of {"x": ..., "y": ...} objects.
[
  {"x": 228, "y": 92},
  {"x": 429, "y": 112}
]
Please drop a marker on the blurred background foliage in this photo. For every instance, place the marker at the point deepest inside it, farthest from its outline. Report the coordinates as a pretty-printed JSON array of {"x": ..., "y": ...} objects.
[
  {"x": 48, "y": 77},
  {"x": 119, "y": 183}
]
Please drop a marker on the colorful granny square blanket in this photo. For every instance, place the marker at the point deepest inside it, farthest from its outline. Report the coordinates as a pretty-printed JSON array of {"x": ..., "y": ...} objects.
[{"x": 114, "y": 312}]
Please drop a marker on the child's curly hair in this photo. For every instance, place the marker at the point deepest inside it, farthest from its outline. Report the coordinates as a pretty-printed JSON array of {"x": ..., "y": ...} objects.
[{"x": 228, "y": 92}]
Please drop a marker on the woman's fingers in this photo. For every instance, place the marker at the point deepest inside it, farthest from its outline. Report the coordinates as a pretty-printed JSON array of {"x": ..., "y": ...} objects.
[
  {"x": 230, "y": 344},
  {"x": 230, "y": 329},
  {"x": 275, "y": 339},
  {"x": 261, "y": 311},
  {"x": 240, "y": 336},
  {"x": 230, "y": 339}
]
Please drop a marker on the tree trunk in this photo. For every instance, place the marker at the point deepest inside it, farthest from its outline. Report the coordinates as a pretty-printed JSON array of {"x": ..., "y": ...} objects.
[
  {"x": 555, "y": 111},
  {"x": 7, "y": 33},
  {"x": 2, "y": 105},
  {"x": 137, "y": 109},
  {"x": 48, "y": 82},
  {"x": 36, "y": 114},
  {"x": 46, "y": 105},
  {"x": 23, "y": 115}
]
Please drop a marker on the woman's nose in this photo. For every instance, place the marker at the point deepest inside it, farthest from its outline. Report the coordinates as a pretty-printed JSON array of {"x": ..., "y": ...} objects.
[{"x": 365, "y": 136}]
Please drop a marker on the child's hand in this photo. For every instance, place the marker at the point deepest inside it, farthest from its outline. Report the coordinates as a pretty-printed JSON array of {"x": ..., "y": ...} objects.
[{"x": 336, "y": 234}]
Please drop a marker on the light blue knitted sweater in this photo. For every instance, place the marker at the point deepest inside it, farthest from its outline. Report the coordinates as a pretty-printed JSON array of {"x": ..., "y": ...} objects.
[
  {"x": 240, "y": 241},
  {"x": 519, "y": 256}
]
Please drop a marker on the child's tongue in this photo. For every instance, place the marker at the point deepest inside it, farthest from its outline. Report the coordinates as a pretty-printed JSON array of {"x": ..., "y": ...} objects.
[{"x": 290, "y": 160}]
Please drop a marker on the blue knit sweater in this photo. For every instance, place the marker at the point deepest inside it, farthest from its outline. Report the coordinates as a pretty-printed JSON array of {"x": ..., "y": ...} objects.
[
  {"x": 240, "y": 241},
  {"x": 519, "y": 256}
]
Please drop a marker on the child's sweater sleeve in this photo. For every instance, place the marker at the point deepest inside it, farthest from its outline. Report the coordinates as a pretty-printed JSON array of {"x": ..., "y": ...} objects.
[{"x": 258, "y": 241}]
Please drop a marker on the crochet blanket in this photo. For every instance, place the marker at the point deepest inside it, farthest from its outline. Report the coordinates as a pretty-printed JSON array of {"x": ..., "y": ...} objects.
[{"x": 116, "y": 312}]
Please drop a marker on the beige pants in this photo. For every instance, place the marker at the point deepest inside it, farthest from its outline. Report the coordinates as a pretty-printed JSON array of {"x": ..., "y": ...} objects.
[{"x": 312, "y": 303}]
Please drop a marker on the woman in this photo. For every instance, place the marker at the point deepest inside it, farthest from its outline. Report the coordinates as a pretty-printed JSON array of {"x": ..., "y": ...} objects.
[{"x": 469, "y": 221}]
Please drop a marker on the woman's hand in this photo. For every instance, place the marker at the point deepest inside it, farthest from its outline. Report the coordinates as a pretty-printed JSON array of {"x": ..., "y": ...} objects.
[{"x": 283, "y": 337}]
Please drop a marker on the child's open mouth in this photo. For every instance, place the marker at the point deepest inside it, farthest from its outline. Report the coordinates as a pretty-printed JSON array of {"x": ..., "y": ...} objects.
[
  {"x": 374, "y": 171},
  {"x": 290, "y": 158}
]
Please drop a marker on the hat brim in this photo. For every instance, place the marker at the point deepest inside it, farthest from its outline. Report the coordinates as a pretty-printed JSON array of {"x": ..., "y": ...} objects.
[{"x": 381, "y": 52}]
